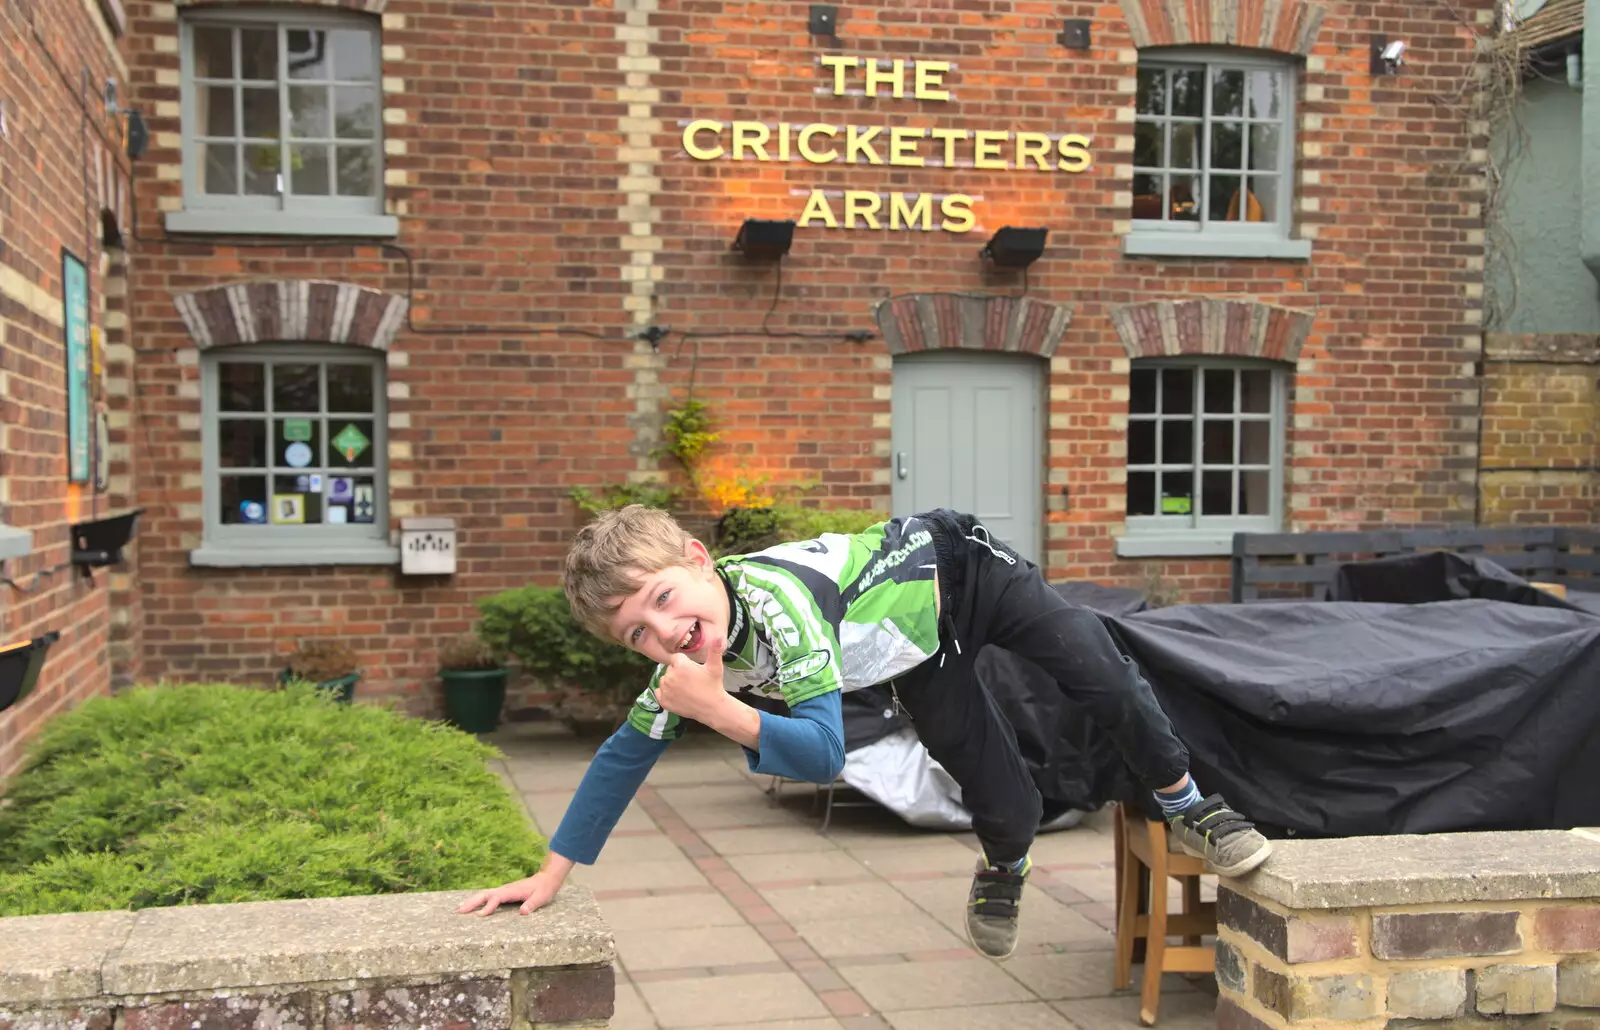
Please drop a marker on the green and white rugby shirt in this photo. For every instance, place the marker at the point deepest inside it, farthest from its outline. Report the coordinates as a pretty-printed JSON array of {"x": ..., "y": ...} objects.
[{"x": 840, "y": 612}]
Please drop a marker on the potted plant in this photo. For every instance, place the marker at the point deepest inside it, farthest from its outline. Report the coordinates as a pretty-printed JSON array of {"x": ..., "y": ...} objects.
[
  {"x": 474, "y": 680},
  {"x": 595, "y": 681},
  {"x": 328, "y": 664}
]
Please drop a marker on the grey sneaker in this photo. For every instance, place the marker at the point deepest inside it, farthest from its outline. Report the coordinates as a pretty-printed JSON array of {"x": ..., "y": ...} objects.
[
  {"x": 993, "y": 908},
  {"x": 1226, "y": 840}
]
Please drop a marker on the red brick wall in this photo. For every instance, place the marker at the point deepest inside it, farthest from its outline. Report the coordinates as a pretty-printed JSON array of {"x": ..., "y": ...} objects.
[
  {"x": 521, "y": 139},
  {"x": 513, "y": 223},
  {"x": 1386, "y": 387},
  {"x": 46, "y": 204}
]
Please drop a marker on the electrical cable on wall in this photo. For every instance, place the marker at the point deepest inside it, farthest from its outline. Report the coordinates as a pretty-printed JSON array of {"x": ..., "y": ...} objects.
[
  {"x": 33, "y": 584},
  {"x": 652, "y": 334}
]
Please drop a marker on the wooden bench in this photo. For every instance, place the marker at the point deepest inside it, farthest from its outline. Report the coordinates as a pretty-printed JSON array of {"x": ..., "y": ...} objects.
[{"x": 1301, "y": 566}]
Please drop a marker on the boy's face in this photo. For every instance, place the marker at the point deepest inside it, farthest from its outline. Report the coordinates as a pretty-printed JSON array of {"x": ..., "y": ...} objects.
[{"x": 678, "y": 610}]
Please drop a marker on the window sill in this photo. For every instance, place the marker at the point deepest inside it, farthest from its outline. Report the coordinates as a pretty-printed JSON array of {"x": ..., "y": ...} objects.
[
  {"x": 243, "y": 556},
  {"x": 14, "y": 543},
  {"x": 1166, "y": 244},
  {"x": 278, "y": 223},
  {"x": 1186, "y": 545}
]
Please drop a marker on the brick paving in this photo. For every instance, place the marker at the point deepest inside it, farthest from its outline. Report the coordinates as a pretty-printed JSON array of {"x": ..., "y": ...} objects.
[{"x": 730, "y": 908}]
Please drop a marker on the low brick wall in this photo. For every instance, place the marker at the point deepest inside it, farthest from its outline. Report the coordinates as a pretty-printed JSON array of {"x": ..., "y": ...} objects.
[
  {"x": 1498, "y": 931},
  {"x": 391, "y": 961}
]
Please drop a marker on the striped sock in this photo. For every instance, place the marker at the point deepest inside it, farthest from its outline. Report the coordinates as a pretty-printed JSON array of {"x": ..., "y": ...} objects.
[
  {"x": 1176, "y": 803},
  {"x": 1020, "y": 866}
]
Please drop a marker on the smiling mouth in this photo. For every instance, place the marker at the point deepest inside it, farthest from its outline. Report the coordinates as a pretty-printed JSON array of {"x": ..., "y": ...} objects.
[{"x": 692, "y": 640}]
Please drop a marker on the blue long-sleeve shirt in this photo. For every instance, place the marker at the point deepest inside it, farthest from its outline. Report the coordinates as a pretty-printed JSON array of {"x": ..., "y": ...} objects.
[
  {"x": 809, "y": 746},
  {"x": 807, "y": 620}
]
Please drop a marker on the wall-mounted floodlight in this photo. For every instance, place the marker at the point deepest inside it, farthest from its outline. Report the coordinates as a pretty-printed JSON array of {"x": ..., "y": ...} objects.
[
  {"x": 1014, "y": 248},
  {"x": 763, "y": 239}
]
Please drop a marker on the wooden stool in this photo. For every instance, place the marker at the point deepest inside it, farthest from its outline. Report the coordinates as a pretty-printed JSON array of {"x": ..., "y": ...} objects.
[{"x": 1144, "y": 860}]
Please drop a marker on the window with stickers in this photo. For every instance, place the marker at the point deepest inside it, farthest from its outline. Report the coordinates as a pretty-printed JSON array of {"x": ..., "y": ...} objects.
[{"x": 294, "y": 452}]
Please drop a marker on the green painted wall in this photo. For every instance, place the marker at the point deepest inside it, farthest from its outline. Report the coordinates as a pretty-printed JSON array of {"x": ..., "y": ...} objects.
[{"x": 1555, "y": 292}]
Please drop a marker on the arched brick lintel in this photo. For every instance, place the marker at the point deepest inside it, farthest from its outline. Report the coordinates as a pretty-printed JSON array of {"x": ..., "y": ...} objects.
[
  {"x": 968, "y": 321},
  {"x": 291, "y": 309},
  {"x": 1287, "y": 26},
  {"x": 370, "y": 6},
  {"x": 1239, "y": 328}
]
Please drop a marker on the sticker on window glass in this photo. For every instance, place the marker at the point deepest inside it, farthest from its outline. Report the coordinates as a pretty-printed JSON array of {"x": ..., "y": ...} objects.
[
  {"x": 253, "y": 512},
  {"x": 1175, "y": 506},
  {"x": 297, "y": 429},
  {"x": 338, "y": 515},
  {"x": 365, "y": 506},
  {"x": 298, "y": 455},
  {"x": 351, "y": 442},
  {"x": 342, "y": 490},
  {"x": 314, "y": 484},
  {"x": 288, "y": 508}
]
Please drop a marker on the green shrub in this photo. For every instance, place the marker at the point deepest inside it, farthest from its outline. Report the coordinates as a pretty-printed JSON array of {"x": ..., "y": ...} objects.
[
  {"x": 797, "y": 523},
  {"x": 192, "y": 794},
  {"x": 620, "y": 495},
  {"x": 535, "y": 626},
  {"x": 742, "y": 530}
]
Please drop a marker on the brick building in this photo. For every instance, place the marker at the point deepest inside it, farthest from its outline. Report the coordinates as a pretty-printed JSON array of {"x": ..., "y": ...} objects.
[
  {"x": 402, "y": 259},
  {"x": 63, "y": 342}
]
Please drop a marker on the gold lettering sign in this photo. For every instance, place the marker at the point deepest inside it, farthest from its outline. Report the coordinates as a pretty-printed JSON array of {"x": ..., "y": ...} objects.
[{"x": 891, "y": 145}]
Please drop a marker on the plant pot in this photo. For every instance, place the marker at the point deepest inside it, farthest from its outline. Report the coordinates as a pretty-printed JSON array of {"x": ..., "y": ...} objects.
[
  {"x": 592, "y": 715},
  {"x": 473, "y": 698},
  {"x": 342, "y": 690}
]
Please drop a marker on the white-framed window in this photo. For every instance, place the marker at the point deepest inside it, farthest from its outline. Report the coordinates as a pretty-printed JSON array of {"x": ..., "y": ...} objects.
[
  {"x": 1213, "y": 156},
  {"x": 1205, "y": 454},
  {"x": 294, "y": 452},
  {"x": 282, "y": 124}
]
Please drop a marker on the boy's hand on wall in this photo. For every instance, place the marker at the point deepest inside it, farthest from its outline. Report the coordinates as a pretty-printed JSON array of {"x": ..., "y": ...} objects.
[
  {"x": 534, "y": 892},
  {"x": 690, "y": 690}
]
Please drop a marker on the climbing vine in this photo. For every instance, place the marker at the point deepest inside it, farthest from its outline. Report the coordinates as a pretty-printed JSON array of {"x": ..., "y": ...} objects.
[
  {"x": 688, "y": 433},
  {"x": 1486, "y": 101},
  {"x": 750, "y": 510}
]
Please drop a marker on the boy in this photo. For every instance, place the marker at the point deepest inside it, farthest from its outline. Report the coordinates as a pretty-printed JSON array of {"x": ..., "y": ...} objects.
[{"x": 909, "y": 602}]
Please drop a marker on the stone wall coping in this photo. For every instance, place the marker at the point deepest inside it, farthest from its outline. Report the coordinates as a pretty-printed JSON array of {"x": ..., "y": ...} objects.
[
  {"x": 1367, "y": 872},
  {"x": 253, "y": 944},
  {"x": 1574, "y": 348}
]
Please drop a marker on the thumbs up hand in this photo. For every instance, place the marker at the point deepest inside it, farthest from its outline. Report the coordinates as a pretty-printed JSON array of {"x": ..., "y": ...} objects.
[{"x": 690, "y": 690}]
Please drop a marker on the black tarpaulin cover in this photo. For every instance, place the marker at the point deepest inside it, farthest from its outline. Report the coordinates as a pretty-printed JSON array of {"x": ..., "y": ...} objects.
[{"x": 1452, "y": 710}]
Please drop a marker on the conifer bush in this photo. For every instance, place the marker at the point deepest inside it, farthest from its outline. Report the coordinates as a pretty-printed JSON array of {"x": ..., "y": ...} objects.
[{"x": 205, "y": 793}]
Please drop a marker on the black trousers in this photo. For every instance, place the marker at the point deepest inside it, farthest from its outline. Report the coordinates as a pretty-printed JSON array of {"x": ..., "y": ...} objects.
[{"x": 992, "y": 595}]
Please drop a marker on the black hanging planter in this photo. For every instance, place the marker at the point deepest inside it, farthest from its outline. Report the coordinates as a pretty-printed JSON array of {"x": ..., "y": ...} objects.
[
  {"x": 20, "y": 665},
  {"x": 100, "y": 542}
]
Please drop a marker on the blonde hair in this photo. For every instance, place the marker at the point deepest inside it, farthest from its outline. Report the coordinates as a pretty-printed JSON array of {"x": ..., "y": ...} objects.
[{"x": 608, "y": 555}]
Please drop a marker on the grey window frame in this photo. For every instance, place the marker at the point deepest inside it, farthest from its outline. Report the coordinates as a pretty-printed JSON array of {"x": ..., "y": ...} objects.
[
  {"x": 1196, "y": 535},
  {"x": 1164, "y": 238},
  {"x": 285, "y": 214},
  {"x": 313, "y": 544}
]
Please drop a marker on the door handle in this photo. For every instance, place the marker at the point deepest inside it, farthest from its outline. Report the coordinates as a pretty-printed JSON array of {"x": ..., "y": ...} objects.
[{"x": 900, "y": 464}]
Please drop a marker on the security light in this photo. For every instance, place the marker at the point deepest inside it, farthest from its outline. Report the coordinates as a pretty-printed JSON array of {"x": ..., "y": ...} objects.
[
  {"x": 762, "y": 239},
  {"x": 1014, "y": 248}
]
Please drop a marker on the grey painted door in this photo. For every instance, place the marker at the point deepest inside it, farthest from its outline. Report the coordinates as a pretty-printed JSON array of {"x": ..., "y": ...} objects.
[{"x": 967, "y": 434}]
